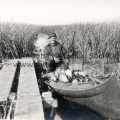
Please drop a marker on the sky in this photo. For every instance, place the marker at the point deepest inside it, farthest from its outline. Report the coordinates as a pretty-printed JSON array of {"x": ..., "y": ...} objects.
[{"x": 57, "y": 12}]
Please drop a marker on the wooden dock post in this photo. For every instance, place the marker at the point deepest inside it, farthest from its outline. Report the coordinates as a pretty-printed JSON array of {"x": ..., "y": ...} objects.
[{"x": 29, "y": 102}]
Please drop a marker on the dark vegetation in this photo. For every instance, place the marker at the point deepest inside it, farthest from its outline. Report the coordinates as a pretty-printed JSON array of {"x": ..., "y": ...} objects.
[{"x": 102, "y": 40}]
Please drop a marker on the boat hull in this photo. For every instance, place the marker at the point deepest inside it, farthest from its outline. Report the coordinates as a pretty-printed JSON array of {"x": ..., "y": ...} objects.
[{"x": 78, "y": 91}]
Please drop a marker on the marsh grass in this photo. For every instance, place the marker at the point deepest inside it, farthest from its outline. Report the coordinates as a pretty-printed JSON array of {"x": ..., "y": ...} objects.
[{"x": 17, "y": 40}]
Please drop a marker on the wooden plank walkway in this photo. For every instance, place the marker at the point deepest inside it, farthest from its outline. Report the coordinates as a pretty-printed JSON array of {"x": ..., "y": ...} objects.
[
  {"x": 29, "y": 102},
  {"x": 6, "y": 79}
]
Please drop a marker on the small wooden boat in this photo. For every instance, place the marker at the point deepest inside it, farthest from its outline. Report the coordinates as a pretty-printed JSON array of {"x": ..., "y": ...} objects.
[
  {"x": 82, "y": 89},
  {"x": 78, "y": 90},
  {"x": 103, "y": 97}
]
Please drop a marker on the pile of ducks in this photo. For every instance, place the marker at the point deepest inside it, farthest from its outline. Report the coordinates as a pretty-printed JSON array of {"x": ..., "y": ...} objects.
[{"x": 68, "y": 76}]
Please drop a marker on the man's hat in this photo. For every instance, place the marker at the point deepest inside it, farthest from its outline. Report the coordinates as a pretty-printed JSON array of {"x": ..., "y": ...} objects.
[{"x": 52, "y": 35}]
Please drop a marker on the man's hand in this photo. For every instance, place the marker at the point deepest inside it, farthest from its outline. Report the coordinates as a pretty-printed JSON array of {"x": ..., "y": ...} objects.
[
  {"x": 57, "y": 60},
  {"x": 67, "y": 61},
  {"x": 70, "y": 53}
]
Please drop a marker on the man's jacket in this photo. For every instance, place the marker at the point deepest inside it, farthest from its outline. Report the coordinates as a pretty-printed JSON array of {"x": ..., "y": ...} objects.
[{"x": 57, "y": 50}]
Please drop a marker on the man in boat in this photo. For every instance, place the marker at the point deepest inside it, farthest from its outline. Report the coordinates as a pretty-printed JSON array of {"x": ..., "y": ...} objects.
[{"x": 55, "y": 54}]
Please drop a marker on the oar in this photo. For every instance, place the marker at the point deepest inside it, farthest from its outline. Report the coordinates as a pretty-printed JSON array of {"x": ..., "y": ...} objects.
[
  {"x": 96, "y": 80},
  {"x": 96, "y": 70}
]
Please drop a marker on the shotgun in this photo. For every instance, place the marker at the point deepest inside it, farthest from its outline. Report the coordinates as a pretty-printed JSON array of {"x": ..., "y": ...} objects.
[{"x": 72, "y": 47}]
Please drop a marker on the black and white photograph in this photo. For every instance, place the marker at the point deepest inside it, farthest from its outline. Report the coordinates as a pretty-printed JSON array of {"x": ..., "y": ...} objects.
[{"x": 59, "y": 60}]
